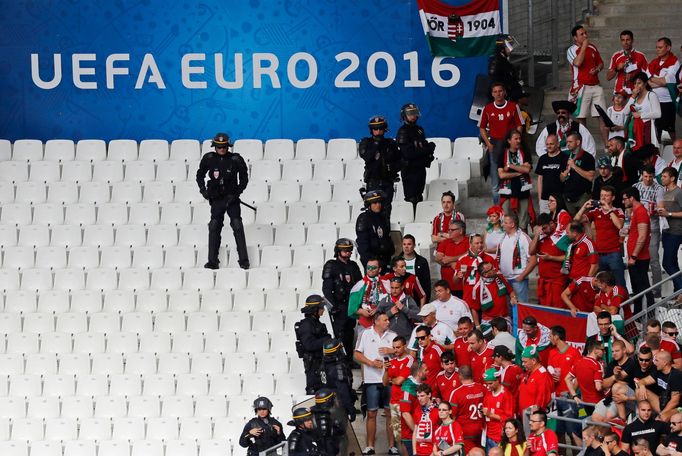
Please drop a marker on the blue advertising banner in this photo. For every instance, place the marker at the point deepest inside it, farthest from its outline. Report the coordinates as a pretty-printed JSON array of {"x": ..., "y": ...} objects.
[{"x": 253, "y": 68}]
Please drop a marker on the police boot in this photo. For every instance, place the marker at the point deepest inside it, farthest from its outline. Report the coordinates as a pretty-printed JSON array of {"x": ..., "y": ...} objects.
[
  {"x": 214, "y": 229},
  {"x": 240, "y": 240}
]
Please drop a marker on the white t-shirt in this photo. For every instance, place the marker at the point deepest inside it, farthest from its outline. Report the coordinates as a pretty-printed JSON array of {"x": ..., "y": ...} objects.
[
  {"x": 410, "y": 265},
  {"x": 368, "y": 344},
  {"x": 450, "y": 311},
  {"x": 441, "y": 333},
  {"x": 506, "y": 258},
  {"x": 618, "y": 118},
  {"x": 669, "y": 74}
]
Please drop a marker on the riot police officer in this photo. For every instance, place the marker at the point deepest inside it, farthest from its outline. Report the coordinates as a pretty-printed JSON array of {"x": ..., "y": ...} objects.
[
  {"x": 338, "y": 277},
  {"x": 303, "y": 440},
  {"x": 373, "y": 232},
  {"x": 416, "y": 152},
  {"x": 338, "y": 377},
  {"x": 311, "y": 334},
  {"x": 330, "y": 422},
  {"x": 500, "y": 69},
  {"x": 263, "y": 431},
  {"x": 228, "y": 177},
  {"x": 382, "y": 160}
]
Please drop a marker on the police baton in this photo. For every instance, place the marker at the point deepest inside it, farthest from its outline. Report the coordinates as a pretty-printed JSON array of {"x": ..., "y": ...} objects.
[{"x": 253, "y": 208}]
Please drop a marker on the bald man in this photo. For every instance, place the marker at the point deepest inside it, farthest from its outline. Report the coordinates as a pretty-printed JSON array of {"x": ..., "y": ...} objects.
[
  {"x": 496, "y": 451},
  {"x": 669, "y": 382},
  {"x": 672, "y": 444}
]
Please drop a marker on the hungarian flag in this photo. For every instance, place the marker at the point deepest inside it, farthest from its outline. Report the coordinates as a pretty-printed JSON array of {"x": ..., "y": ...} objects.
[{"x": 460, "y": 31}]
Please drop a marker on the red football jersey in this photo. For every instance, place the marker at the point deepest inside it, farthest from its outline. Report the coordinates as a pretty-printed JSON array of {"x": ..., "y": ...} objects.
[
  {"x": 462, "y": 353},
  {"x": 582, "y": 74},
  {"x": 536, "y": 389},
  {"x": 639, "y": 216},
  {"x": 450, "y": 248},
  {"x": 468, "y": 264},
  {"x": 501, "y": 404},
  {"x": 668, "y": 345},
  {"x": 480, "y": 362},
  {"x": 587, "y": 371},
  {"x": 499, "y": 120},
  {"x": 408, "y": 403},
  {"x": 583, "y": 294},
  {"x": 549, "y": 269},
  {"x": 411, "y": 285},
  {"x": 559, "y": 366},
  {"x": 613, "y": 299},
  {"x": 466, "y": 402},
  {"x": 425, "y": 423},
  {"x": 399, "y": 368},
  {"x": 451, "y": 434},
  {"x": 606, "y": 235},
  {"x": 632, "y": 58},
  {"x": 431, "y": 357},
  {"x": 543, "y": 444},
  {"x": 445, "y": 385},
  {"x": 583, "y": 256},
  {"x": 511, "y": 377}
]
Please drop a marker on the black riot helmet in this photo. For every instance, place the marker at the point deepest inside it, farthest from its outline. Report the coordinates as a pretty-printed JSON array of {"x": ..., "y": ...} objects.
[
  {"x": 410, "y": 109},
  {"x": 332, "y": 350},
  {"x": 312, "y": 304},
  {"x": 377, "y": 121},
  {"x": 300, "y": 416},
  {"x": 324, "y": 399},
  {"x": 262, "y": 403},
  {"x": 343, "y": 245},
  {"x": 373, "y": 196},
  {"x": 221, "y": 140},
  {"x": 505, "y": 42}
]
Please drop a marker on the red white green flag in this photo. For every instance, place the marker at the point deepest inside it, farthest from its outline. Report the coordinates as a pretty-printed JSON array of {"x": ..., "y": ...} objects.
[{"x": 460, "y": 31}]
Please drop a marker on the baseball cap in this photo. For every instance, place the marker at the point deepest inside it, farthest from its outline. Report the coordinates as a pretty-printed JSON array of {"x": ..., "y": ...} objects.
[
  {"x": 491, "y": 374},
  {"x": 504, "y": 351},
  {"x": 530, "y": 321},
  {"x": 427, "y": 309},
  {"x": 530, "y": 351},
  {"x": 604, "y": 162}
]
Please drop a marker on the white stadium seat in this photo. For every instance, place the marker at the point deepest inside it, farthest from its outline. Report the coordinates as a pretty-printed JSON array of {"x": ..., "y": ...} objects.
[
  {"x": 457, "y": 169},
  {"x": 6, "y": 191},
  {"x": 443, "y": 149},
  {"x": 20, "y": 257},
  {"x": 144, "y": 407},
  {"x": 13, "y": 171},
  {"x": 79, "y": 448},
  {"x": 266, "y": 170},
  {"x": 66, "y": 236},
  {"x": 328, "y": 170},
  {"x": 468, "y": 148},
  {"x": 183, "y": 301},
  {"x": 129, "y": 428},
  {"x": 175, "y": 214},
  {"x": 334, "y": 212},
  {"x": 107, "y": 171},
  {"x": 60, "y": 429},
  {"x": 27, "y": 150},
  {"x": 117, "y": 257},
  {"x": 302, "y": 213},
  {"x": 98, "y": 235},
  {"x": 59, "y": 150},
  {"x": 177, "y": 256},
  {"x": 20, "y": 301},
  {"x": 144, "y": 214},
  {"x": 177, "y": 406},
  {"x": 311, "y": 149},
  {"x": 185, "y": 150},
  {"x": 342, "y": 149},
  {"x": 139, "y": 171},
  {"x": 188, "y": 342},
  {"x": 126, "y": 192},
  {"x": 80, "y": 214},
  {"x": 125, "y": 385},
  {"x": 31, "y": 193},
  {"x": 166, "y": 279},
  {"x": 249, "y": 149},
  {"x": 148, "y": 257},
  {"x": 153, "y": 150},
  {"x": 171, "y": 171},
  {"x": 5, "y": 150},
  {"x": 439, "y": 186},
  {"x": 295, "y": 278},
  {"x": 159, "y": 192},
  {"x": 16, "y": 214},
  {"x": 157, "y": 342},
  {"x": 84, "y": 257},
  {"x": 316, "y": 192},
  {"x": 44, "y": 171},
  {"x": 276, "y": 256},
  {"x": 122, "y": 150},
  {"x": 154, "y": 300},
  {"x": 94, "y": 193},
  {"x": 279, "y": 149},
  {"x": 285, "y": 192},
  {"x": 77, "y": 407},
  {"x": 159, "y": 385},
  {"x": 91, "y": 150},
  {"x": 77, "y": 171},
  {"x": 92, "y": 343},
  {"x": 271, "y": 213},
  {"x": 96, "y": 428},
  {"x": 297, "y": 171},
  {"x": 150, "y": 447},
  {"x": 59, "y": 385}
]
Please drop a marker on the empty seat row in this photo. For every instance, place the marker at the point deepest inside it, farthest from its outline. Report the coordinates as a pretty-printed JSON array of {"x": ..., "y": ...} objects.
[
  {"x": 146, "y": 408},
  {"x": 60, "y": 343},
  {"x": 156, "y": 301},
  {"x": 146, "y": 322}
]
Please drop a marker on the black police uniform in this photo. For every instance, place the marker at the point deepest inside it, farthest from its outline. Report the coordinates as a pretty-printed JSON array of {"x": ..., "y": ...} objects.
[
  {"x": 228, "y": 178},
  {"x": 330, "y": 426},
  {"x": 337, "y": 280},
  {"x": 382, "y": 164},
  {"x": 303, "y": 441},
  {"x": 338, "y": 377},
  {"x": 417, "y": 155},
  {"x": 311, "y": 334},
  {"x": 374, "y": 238},
  {"x": 269, "y": 438}
]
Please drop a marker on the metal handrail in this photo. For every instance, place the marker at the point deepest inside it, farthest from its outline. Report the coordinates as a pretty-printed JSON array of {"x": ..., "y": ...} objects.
[{"x": 645, "y": 310}]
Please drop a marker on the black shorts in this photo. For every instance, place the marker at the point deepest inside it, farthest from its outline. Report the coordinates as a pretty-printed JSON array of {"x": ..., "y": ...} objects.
[{"x": 667, "y": 120}]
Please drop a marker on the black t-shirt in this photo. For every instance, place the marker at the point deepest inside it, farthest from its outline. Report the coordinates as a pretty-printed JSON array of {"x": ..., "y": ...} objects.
[
  {"x": 589, "y": 451},
  {"x": 652, "y": 431},
  {"x": 550, "y": 168},
  {"x": 634, "y": 371},
  {"x": 673, "y": 442},
  {"x": 627, "y": 365},
  {"x": 667, "y": 384},
  {"x": 575, "y": 185},
  {"x": 621, "y": 453}
]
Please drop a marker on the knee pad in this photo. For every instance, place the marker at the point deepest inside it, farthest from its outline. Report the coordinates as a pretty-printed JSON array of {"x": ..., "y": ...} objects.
[
  {"x": 236, "y": 224},
  {"x": 215, "y": 225}
]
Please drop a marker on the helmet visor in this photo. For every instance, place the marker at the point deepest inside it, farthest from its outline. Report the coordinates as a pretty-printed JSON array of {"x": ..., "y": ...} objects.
[{"x": 412, "y": 111}]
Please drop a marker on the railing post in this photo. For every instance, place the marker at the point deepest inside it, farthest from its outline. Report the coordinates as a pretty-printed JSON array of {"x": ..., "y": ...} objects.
[
  {"x": 553, "y": 8},
  {"x": 531, "y": 48}
]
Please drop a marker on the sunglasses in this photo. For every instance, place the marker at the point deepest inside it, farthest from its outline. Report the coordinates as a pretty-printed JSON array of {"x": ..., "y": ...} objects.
[
  {"x": 676, "y": 422},
  {"x": 672, "y": 334},
  {"x": 645, "y": 360},
  {"x": 378, "y": 129},
  {"x": 421, "y": 337},
  {"x": 372, "y": 268}
]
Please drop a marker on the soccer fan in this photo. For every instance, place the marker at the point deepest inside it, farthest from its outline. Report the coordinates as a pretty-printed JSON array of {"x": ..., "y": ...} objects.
[
  {"x": 625, "y": 63},
  {"x": 366, "y": 295},
  {"x": 611, "y": 296},
  {"x": 498, "y": 406},
  {"x": 581, "y": 258},
  {"x": 586, "y": 63},
  {"x": 592, "y": 441},
  {"x": 607, "y": 335},
  {"x": 541, "y": 441},
  {"x": 466, "y": 270},
  {"x": 626, "y": 163},
  {"x": 653, "y": 328},
  {"x": 578, "y": 175},
  {"x": 461, "y": 345},
  {"x": 513, "y": 440},
  {"x": 662, "y": 71},
  {"x": 409, "y": 402},
  {"x": 448, "y": 438},
  {"x": 669, "y": 383},
  {"x": 670, "y": 330},
  {"x": 440, "y": 332},
  {"x": 375, "y": 343},
  {"x": 494, "y": 293},
  {"x": 580, "y": 294},
  {"x": 411, "y": 285},
  {"x": 510, "y": 373},
  {"x": 639, "y": 127},
  {"x": 501, "y": 336},
  {"x": 611, "y": 445},
  {"x": 637, "y": 245},
  {"x": 400, "y": 308},
  {"x": 493, "y": 231},
  {"x": 607, "y": 178},
  {"x": 447, "y": 380},
  {"x": 651, "y": 194},
  {"x": 551, "y": 281},
  {"x": 425, "y": 417},
  {"x": 441, "y": 223},
  {"x": 449, "y": 308},
  {"x": 466, "y": 401},
  {"x": 498, "y": 118},
  {"x": 449, "y": 251},
  {"x": 549, "y": 167},
  {"x": 645, "y": 427},
  {"x": 514, "y": 169},
  {"x": 606, "y": 220},
  {"x": 562, "y": 356},
  {"x": 643, "y": 366},
  {"x": 587, "y": 375},
  {"x": 618, "y": 114},
  {"x": 676, "y": 162},
  {"x": 562, "y": 127},
  {"x": 513, "y": 255},
  {"x": 672, "y": 444},
  {"x": 416, "y": 264},
  {"x": 532, "y": 334},
  {"x": 671, "y": 208},
  {"x": 537, "y": 386},
  {"x": 396, "y": 371},
  {"x": 429, "y": 353},
  {"x": 481, "y": 354}
]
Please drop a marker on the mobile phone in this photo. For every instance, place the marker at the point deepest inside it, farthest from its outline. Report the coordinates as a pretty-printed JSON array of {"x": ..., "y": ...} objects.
[
  {"x": 386, "y": 359},
  {"x": 595, "y": 203}
]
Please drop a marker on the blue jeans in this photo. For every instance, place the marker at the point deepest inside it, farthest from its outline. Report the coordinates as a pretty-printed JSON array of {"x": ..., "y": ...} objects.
[
  {"x": 378, "y": 396},
  {"x": 490, "y": 444},
  {"x": 613, "y": 262},
  {"x": 671, "y": 245},
  {"x": 521, "y": 289},
  {"x": 494, "y": 177}
]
